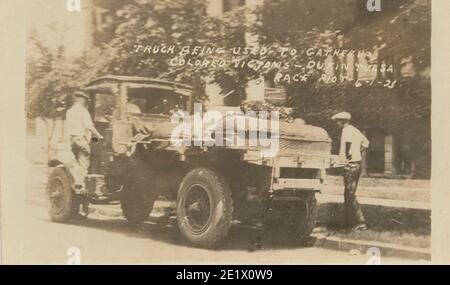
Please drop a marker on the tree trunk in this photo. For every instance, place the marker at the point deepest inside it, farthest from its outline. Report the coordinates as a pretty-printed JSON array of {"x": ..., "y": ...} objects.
[{"x": 50, "y": 125}]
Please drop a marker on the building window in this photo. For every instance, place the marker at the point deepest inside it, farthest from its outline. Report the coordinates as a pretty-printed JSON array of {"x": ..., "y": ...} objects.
[
  {"x": 102, "y": 18},
  {"x": 376, "y": 151},
  {"x": 229, "y": 5}
]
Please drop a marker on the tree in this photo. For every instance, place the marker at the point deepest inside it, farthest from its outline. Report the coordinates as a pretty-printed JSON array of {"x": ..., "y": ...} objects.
[
  {"x": 43, "y": 99},
  {"x": 159, "y": 23},
  {"x": 400, "y": 35},
  {"x": 153, "y": 24},
  {"x": 51, "y": 79}
]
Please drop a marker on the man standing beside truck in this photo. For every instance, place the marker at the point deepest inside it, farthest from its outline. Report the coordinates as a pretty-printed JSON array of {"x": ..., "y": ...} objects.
[
  {"x": 353, "y": 142},
  {"x": 80, "y": 128}
]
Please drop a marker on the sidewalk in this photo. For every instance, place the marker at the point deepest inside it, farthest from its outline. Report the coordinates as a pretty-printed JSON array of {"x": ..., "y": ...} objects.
[{"x": 400, "y": 193}]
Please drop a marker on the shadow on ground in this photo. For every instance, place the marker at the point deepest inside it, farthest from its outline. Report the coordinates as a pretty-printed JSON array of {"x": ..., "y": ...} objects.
[
  {"x": 408, "y": 227},
  {"x": 239, "y": 238}
]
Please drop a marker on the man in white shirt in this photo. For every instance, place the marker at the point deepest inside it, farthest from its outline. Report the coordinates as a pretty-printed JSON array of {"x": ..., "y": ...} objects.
[
  {"x": 80, "y": 128},
  {"x": 353, "y": 142}
]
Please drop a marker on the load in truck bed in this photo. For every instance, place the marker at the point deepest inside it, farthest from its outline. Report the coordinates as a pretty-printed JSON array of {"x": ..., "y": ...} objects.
[{"x": 237, "y": 131}]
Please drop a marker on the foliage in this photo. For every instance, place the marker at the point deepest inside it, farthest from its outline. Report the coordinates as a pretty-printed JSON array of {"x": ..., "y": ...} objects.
[
  {"x": 158, "y": 23},
  {"x": 51, "y": 79},
  {"x": 152, "y": 24},
  {"x": 285, "y": 114},
  {"x": 400, "y": 35},
  {"x": 47, "y": 87}
]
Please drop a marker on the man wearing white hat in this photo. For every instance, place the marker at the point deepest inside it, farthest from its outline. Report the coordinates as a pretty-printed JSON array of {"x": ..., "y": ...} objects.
[{"x": 353, "y": 142}]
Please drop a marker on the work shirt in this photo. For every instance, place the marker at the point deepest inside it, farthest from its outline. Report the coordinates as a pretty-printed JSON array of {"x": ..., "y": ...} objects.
[
  {"x": 78, "y": 121},
  {"x": 352, "y": 135}
]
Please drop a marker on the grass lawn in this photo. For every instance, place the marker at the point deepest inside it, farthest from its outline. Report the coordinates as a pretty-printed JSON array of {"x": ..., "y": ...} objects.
[{"x": 407, "y": 227}]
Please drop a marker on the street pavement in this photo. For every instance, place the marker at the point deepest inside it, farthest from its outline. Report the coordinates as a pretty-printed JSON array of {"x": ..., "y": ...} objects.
[{"x": 105, "y": 240}]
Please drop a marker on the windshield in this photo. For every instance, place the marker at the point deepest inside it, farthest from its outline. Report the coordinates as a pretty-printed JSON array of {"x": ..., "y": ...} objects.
[
  {"x": 105, "y": 105},
  {"x": 155, "y": 101}
]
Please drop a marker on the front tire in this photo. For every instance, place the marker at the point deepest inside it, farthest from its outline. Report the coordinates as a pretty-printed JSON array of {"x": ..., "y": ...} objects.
[
  {"x": 204, "y": 207},
  {"x": 60, "y": 196}
]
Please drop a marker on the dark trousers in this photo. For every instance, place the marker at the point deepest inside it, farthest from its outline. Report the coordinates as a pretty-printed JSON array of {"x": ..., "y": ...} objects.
[{"x": 353, "y": 211}]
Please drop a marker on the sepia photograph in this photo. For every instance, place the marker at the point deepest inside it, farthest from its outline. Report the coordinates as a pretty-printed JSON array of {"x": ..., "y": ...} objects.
[{"x": 227, "y": 132}]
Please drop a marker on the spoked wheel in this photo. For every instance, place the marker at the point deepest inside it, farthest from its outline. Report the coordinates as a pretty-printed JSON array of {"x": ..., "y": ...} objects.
[
  {"x": 198, "y": 208},
  {"x": 60, "y": 196},
  {"x": 204, "y": 207}
]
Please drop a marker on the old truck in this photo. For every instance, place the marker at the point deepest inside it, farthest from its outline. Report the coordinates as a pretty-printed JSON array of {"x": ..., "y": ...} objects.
[{"x": 212, "y": 187}]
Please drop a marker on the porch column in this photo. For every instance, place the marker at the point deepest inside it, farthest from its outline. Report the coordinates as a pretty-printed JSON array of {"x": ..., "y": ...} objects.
[
  {"x": 389, "y": 155},
  {"x": 364, "y": 159},
  {"x": 215, "y": 8}
]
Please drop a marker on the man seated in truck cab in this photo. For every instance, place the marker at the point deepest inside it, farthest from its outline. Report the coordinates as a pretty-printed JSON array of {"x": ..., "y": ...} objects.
[{"x": 132, "y": 107}]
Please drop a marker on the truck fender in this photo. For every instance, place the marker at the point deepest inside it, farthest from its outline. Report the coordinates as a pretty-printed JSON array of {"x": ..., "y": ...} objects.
[{"x": 54, "y": 163}]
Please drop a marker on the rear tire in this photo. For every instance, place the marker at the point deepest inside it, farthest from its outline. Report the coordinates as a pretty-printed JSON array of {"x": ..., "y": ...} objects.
[
  {"x": 204, "y": 207},
  {"x": 60, "y": 195},
  {"x": 292, "y": 222},
  {"x": 134, "y": 208},
  {"x": 307, "y": 217}
]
